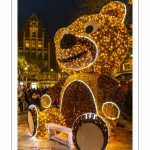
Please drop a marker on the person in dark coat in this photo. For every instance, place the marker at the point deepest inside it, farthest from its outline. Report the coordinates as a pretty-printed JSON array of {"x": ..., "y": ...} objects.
[
  {"x": 35, "y": 100},
  {"x": 29, "y": 95},
  {"x": 26, "y": 97},
  {"x": 21, "y": 99}
]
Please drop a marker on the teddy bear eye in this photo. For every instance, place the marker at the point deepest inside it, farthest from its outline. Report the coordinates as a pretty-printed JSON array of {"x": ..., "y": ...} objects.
[{"x": 91, "y": 26}]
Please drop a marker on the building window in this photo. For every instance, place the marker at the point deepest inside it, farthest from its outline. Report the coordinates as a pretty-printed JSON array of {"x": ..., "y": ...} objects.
[
  {"x": 27, "y": 43},
  {"x": 27, "y": 51},
  {"x": 45, "y": 56},
  {"x": 34, "y": 86},
  {"x": 39, "y": 44},
  {"x": 126, "y": 66},
  {"x": 33, "y": 24},
  {"x": 33, "y": 34},
  {"x": 21, "y": 53},
  {"x": 40, "y": 56},
  {"x": 45, "y": 63},
  {"x": 33, "y": 54},
  {"x": 128, "y": 56},
  {"x": 33, "y": 43}
]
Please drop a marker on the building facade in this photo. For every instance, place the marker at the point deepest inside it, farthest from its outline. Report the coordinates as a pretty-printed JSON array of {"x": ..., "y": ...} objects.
[{"x": 34, "y": 40}]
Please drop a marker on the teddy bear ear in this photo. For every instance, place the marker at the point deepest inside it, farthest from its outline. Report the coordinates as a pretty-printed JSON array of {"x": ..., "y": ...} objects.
[{"x": 114, "y": 9}]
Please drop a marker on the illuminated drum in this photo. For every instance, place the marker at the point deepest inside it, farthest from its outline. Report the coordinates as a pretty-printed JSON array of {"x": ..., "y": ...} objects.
[
  {"x": 37, "y": 120},
  {"x": 111, "y": 110},
  {"x": 45, "y": 101},
  {"x": 33, "y": 119},
  {"x": 90, "y": 131}
]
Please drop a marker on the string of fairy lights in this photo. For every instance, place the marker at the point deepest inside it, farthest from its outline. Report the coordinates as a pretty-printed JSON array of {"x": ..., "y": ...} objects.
[
  {"x": 110, "y": 42},
  {"x": 94, "y": 119},
  {"x": 40, "y": 118},
  {"x": 89, "y": 50}
]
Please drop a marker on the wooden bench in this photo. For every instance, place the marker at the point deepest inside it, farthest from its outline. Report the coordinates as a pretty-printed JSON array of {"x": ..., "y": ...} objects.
[{"x": 52, "y": 128}]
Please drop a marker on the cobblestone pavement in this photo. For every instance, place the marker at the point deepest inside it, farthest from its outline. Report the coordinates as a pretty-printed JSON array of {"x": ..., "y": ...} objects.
[{"x": 122, "y": 140}]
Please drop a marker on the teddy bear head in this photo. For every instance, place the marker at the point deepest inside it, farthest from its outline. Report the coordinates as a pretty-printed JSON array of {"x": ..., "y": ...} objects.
[{"x": 94, "y": 43}]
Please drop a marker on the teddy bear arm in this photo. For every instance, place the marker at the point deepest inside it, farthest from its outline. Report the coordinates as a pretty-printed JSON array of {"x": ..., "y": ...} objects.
[
  {"x": 54, "y": 91},
  {"x": 112, "y": 90}
]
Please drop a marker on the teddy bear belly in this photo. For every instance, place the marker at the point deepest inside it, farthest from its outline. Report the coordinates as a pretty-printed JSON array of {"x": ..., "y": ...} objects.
[{"x": 77, "y": 99}]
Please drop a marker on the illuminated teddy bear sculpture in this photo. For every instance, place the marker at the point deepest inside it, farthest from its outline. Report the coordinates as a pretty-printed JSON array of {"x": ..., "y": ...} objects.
[{"x": 89, "y": 50}]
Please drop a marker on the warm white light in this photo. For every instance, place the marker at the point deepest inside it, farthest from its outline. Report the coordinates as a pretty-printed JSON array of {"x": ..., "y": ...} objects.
[
  {"x": 86, "y": 86},
  {"x": 46, "y": 101},
  {"x": 25, "y": 68},
  {"x": 31, "y": 107},
  {"x": 111, "y": 110}
]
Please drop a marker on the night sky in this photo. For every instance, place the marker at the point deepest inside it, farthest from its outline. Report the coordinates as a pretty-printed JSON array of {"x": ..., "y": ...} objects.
[{"x": 53, "y": 14}]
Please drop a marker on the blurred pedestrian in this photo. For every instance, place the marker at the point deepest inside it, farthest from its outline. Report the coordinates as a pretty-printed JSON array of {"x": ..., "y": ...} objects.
[
  {"x": 35, "y": 99},
  {"x": 29, "y": 95},
  {"x": 26, "y": 98},
  {"x": 21, "y": 98}
]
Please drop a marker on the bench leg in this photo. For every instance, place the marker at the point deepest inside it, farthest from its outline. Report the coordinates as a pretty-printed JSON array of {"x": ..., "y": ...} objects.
[
  {"x": 51, "y": 133},
  {"x": 70, "y": 142}
]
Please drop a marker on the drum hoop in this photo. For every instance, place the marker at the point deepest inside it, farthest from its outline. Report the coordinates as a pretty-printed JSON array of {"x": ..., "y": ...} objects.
[
  {"x": 31, "y": 109},
  {"x": 82, "y": 121},
  {"x": 49, "y": 99},
  {"x": 112, "y": 118}
]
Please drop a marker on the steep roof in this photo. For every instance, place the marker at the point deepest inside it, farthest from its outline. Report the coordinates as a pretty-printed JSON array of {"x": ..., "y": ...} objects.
[{"x": 33, "y": 16}]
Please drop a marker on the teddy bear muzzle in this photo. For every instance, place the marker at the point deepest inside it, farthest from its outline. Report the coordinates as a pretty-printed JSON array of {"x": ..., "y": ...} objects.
[{"x": 68, "y": 41}]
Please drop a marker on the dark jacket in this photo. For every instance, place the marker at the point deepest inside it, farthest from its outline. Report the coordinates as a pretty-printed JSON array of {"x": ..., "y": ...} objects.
[{"x": 35, "y": 100}]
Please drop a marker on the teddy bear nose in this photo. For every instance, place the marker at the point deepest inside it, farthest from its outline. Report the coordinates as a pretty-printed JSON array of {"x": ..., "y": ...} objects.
[{"x": 67, "y": 41}]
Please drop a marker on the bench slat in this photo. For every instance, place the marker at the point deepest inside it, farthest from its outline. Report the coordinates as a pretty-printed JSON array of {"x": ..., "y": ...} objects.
[
  {"x": 52, "y": 128},
  {"x": 59, "y": 128},
  {"x": 60, "y": 139}
]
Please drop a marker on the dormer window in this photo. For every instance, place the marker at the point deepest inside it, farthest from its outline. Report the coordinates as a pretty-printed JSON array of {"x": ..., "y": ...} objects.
[
  {"x": 126, "y": 66},
  {"x": 33, "y": 34},
  {"x": 33, "y": 24}
]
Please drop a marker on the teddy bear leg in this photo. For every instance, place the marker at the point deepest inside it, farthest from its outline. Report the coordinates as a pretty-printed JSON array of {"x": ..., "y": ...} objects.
[{"x": 90, "y": 131}]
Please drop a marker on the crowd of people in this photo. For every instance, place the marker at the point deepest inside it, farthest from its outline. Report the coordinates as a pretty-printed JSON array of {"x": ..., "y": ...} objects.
[{"x": 27, "y": 97}]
